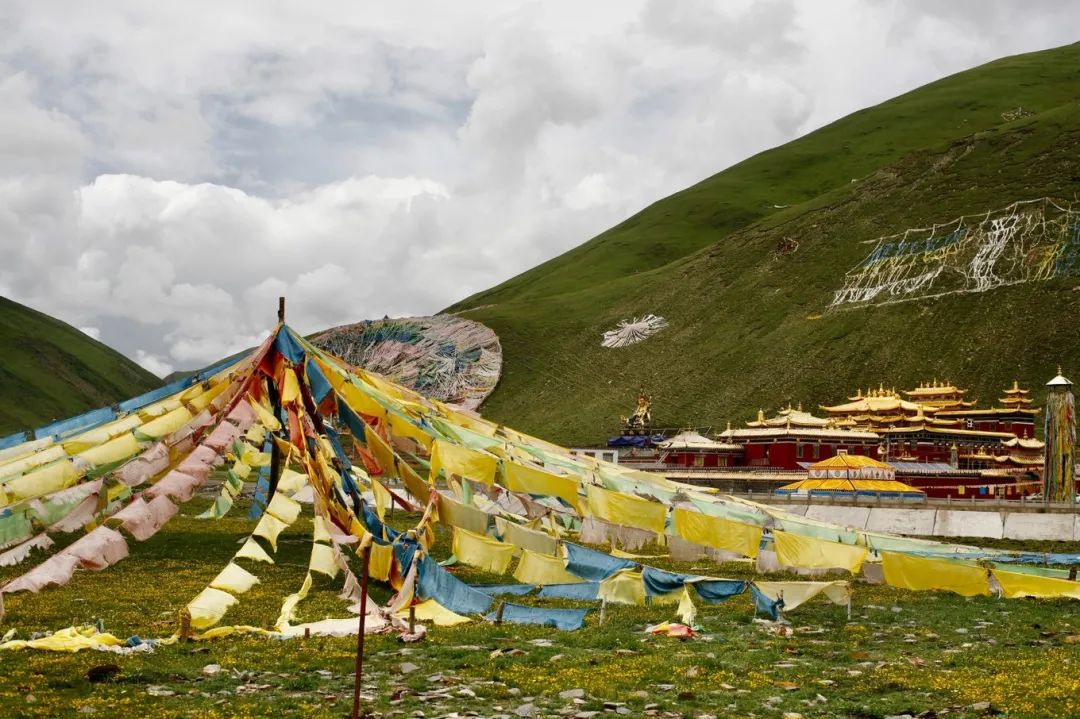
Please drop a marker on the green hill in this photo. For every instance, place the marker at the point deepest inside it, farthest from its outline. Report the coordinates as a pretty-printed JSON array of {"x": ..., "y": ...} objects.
[
  {"x": 50, "y": 370},
  {"x": 746, "y": 285}
]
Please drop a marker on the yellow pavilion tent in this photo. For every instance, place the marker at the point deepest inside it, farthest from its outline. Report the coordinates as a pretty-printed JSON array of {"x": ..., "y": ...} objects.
[{"x": 850, "y": 475}]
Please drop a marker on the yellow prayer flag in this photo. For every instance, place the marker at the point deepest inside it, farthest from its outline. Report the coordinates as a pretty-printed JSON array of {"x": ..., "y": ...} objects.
[
  {"x": 627, "y": 510},
  {"x": 291, "y": 481},
  {"x": 234, "y": 578},
  {"x": 526, "y": 538},
  {"x": 322, "y": 560},
  {"x": 382, "y": 452},
  {"x": 37, "y": 459},
  {"x": 382, "y": 497},
  {"x": 475, "y": 423},
  {"x": 623, "y": 587},
  {"x": 269, "y": 527},
  {"x": 288, "y": 606},
  {"x": 432, "y": 611},
  {"x": 252, "y": 550},
  {"x": 400, "y": 426},
  {"x": 157, "y": 409},
  {"x": 46, "y": 480},
  {"x": 482, "y": 552},
  {"x": 202, "y": 401},
  {"x": 795, "y": 550},
  {"x": 320, "y": 532},
  {"x": 266, "y": 417},
  {"x": 922, "y": 573},
  {"x": 533, "y": 480},
  {"x": 537, "y": 568},
  {"x": 462, "y": 461},
  {"x": 166, "y": 423},
  {"x": 254, "y": 458},
  {"x": 798, "y": 593},
  {"x": 1018, "y": 584},
  {"x": 101, "y": 435},
  {"x": 285, "y": 509},
  {"x": 290, "y": 388},
  {"x": 380, "y": 385},
  {"x": 362, "y": 402},
  {"x": 381, "y": 561},
  {"x": 256, "y": 435},
  {"x": 456, "y": 514},
  {"x": 744, "y": 539},
  {"x": 113, "y": 451},
  {"x": 209, "y": 607},
  {"x": 417, "y": 487}
]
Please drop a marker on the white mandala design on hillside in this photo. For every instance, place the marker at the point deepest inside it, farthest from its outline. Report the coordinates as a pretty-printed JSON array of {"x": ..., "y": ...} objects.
[{"x": 630, "y": 332}]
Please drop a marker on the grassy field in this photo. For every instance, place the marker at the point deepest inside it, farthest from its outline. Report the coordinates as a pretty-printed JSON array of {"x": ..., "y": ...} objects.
[
  {"x": 747, "y": 323},
  {"x": 900, "y": 652},
  {"x": 50, "y": 370}
]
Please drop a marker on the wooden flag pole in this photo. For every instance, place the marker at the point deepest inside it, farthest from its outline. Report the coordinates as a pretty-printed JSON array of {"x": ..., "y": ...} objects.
[
  {"x": 275, "y": 408},
  {"x": 364, "y": 560}
]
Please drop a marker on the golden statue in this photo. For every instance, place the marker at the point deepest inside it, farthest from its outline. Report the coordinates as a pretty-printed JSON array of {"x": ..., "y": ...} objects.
[{"x": 642, "y": 416}]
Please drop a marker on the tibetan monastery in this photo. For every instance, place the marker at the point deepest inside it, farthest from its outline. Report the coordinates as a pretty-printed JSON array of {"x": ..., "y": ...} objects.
[
  {"x": 936, "y": 424},
  {"x": 691, "y": 449},
  {"x": 794, "y": 437},
  {"x": 1015, "y": 415}
]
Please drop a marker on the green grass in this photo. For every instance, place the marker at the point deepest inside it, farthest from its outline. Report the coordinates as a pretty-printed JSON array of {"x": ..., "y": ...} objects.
[
  {"x": 901, "y": 652},
  {"x": 50, "y": 370},
  {"x": 744, "y": 321}
]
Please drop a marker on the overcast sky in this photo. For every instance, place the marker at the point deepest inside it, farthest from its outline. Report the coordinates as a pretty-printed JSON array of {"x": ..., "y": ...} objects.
[{"x": 168, "y": 169}]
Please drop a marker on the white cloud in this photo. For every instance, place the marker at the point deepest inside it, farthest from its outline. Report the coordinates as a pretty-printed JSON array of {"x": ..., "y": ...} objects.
[
  {"x": 91, "y": 332},
  {"x": 167, "y": 171},
  {"x": 152, "y": 363}
]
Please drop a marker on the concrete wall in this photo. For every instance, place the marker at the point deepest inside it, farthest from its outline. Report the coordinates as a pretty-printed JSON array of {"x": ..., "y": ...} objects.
[
  {"x": 854, "y": 517},
  {"x": 1039, "y": 526},
  {"x": 893, "y": 520},
  {"x": 930, "y": 522},
  {"x": 960, "y": 523}
]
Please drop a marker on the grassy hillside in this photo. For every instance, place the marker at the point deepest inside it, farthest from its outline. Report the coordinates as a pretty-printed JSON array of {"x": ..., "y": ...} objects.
[
  {"x": 50, "y": 370},
  {"x": 746, "y": 325}
]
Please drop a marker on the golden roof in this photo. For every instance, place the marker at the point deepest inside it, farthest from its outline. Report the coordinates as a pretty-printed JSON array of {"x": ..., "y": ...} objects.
[
  {"x": 883, "y": 486},
  {"x": 849, "y": 461},
  {"x": 935, "y": 389},
  {"x": 1023, "y": 443},
  {"x": 808, "y": 432},
  {"x": 880, "y": 392},
  {"x": 1020, "y": 460},
  {"x": 949, "y": 431},
  {"x": 1015, "y": 389},
  {"x": 993, "y": 411},
  {"x": 789, "y": 417},
  {"x": 872, "y": 405}
]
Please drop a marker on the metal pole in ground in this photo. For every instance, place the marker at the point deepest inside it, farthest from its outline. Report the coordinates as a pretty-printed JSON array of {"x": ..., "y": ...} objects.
[{"x": 364, "y": 557}]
